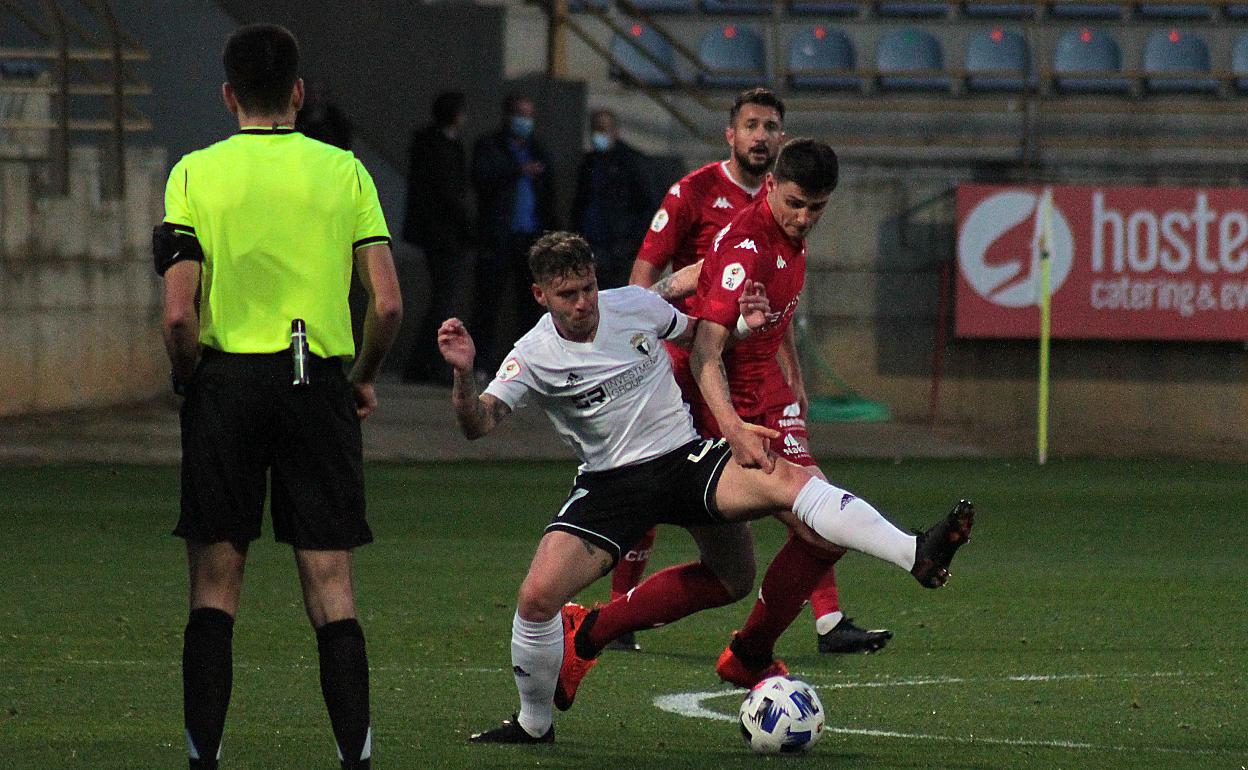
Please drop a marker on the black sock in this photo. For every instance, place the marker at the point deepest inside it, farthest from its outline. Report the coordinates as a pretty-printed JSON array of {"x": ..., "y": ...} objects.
[
  {"x": 344, "y": 683},
  {"x": 207, "y": 676}
]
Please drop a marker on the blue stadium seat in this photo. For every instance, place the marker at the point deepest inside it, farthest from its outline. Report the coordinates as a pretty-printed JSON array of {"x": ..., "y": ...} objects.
[
  {"x": 824, "y": 7},
  {"x": 1175, "y": 51},
  {"x": 916, "y": 58},
  {"x": 737, "y": 6},
  {"x": 664, "y": 6},
  {"x": 1239, "y": 63},
  {"x": 732, "y": 56},
  {"x": 633, "y": 62},
  {"x": 1238, "y": 12},
  {"x": 1064, "y": 10},
  {"x": 913, "y": 10},
  {"x": 1186, "y": 11},
  {"x": 815, "y": 55},
  {"x": 991, "y": 10},
  {"x": 998, "y": 61},
  {"x": 1085, "y": 54},
  {"x": 584, "y": 5}
]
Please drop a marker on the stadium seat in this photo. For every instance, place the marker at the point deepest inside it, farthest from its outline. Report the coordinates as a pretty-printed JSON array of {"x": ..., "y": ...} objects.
[
  {"x": 976, "y": 10},
  {"x": 633, "y": 62},
  {"x": 910, "y": 59},
  {"x": 913, "y": 10},
  {"x": 732, "y": 56},
  {"x": 661, "y": 6},
  {"x": 824, "y": 7},
  {"x": 737, "y": 6},
  {"x": 1237, "y": 11},
  {"x": 1175, "y": 51},
  {"x": 815, "y": 56},
  {"x": 1239, "y": 63},
  {"x": 998, "y": 61},
  {"x": 585, "y": 5},
  {"x": 1064, "y": 10},
  {"x": 1085, "y": 54},
  {"x": 1174, "y": 11}
]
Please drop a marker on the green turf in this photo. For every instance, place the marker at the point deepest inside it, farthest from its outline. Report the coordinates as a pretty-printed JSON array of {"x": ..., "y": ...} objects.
[{"x": 1097, "y": 620}]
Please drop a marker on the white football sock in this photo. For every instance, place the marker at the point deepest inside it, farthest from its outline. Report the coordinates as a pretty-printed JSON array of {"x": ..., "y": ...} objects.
[
  {"x": 536, "y": 656},
  {"x": 851, "y": 522},
  {"x": 826, "y": 623}
]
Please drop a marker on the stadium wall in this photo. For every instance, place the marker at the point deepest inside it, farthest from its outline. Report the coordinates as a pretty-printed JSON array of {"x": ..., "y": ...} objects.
[{"x": 79, "y": 300}]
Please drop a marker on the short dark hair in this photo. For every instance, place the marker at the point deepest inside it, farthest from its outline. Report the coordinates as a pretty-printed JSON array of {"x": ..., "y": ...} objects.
[
  {"x": 447, "y": 106},
  {"x": 558, "y": 255},
  {"x": 761, "y": 95},
  {"x": 808, "y": 163},
  {"x": 262, "y": 65},
  {"x": 511, "y": 101}
]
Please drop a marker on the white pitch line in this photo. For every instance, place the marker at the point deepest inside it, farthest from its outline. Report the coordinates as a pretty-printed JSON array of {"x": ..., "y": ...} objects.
[{"x": 690, "y": 705}]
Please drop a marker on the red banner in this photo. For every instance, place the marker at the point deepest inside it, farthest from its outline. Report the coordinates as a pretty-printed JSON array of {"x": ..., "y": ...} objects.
[{"x": 1162, "y": 263}]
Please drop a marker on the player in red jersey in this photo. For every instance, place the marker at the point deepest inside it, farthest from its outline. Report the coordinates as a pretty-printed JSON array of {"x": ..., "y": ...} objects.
[
  {"x": 697, "y": 208},
  {"x": 765, "y": 243}
]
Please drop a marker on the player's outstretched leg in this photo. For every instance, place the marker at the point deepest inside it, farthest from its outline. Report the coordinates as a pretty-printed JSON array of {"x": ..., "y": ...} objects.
[
  {"x": 624, "y": 578},
  {"x": 510, "y": 731},
  {"x": 937, "y": 545}
]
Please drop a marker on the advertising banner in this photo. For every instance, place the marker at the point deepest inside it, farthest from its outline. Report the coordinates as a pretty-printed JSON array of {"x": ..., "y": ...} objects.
[{"x": 1161, "y": 263}]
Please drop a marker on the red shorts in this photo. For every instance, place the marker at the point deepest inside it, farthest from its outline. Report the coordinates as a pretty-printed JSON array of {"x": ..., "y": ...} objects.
[{"x": 792, "y": 443}]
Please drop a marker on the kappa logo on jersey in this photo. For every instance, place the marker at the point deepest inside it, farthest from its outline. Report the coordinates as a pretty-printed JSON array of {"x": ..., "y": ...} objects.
[
  {"x": 748, "y": 244},
  {"x": 674, "y": 190},
  {"x": 793, "y": 410},
  {"x": 573, "y": 379},
  {"x": 734, "y": 275},
  {"x": 660, "y": 221},
  {"x": 780, "y": 263},
  {"x": 792, "y": 446},
  {"x": 721, "y": 203},
  {"x": 640, "y": 343},
  {"x": 719, "y": 236},
  {"x": 509, "y": 370}
]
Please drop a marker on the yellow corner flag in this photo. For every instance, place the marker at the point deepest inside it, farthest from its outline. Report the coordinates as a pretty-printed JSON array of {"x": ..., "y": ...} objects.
[{"x": 1042, "y": 247}]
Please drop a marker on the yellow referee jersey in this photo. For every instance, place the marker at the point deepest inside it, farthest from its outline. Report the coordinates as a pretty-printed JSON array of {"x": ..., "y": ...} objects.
[{"x": 278, "y": 216}]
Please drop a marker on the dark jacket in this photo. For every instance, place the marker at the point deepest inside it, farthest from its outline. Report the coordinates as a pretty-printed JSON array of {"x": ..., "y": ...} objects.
[
  {"x": 494, "y": 175},
  {"x": 438, "y": 216},
  {"x": 627, "y": 197}
]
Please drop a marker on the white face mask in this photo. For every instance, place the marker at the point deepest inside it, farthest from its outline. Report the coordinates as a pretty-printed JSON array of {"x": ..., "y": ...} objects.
[{"x": 601, "y": 141}]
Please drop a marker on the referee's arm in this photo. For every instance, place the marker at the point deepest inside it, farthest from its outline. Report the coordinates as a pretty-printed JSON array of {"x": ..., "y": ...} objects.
[
  {"x": 180, "y": 322},
  {"x": 375, "y": 265}
]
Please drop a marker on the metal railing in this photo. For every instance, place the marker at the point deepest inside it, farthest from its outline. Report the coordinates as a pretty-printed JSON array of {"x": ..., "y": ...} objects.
[{"x": 90, "y": 57}]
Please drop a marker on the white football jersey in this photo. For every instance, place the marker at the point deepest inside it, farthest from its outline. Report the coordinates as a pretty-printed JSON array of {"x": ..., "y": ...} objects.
[{"x": 613, "y": 400}]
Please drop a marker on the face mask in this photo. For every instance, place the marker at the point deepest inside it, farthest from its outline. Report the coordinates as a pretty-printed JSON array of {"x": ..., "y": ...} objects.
[
  {"x": 600, "y": 141},
  {"x": 521, "y": 126}
]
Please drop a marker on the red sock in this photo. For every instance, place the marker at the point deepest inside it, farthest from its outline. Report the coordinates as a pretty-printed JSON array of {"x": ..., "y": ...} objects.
[
  {"x": 664, "y": 597},
  {"x": 628, "y": 570},
  {"x": 795, "y": 571},
  {"x": 824, "y": 599}
]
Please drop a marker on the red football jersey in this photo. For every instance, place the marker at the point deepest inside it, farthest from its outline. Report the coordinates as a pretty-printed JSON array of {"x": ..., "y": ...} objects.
[
  {"x": 694, "y": 210},
  {"x": 754, "y": 247}
]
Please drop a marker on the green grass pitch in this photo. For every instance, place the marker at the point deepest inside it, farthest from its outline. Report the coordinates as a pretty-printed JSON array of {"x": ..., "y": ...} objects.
[{"x": 1096, "y": 621}]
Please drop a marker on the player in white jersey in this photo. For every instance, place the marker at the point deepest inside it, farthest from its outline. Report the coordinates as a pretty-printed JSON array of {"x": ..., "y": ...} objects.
[{"x": 595, "y": 365}]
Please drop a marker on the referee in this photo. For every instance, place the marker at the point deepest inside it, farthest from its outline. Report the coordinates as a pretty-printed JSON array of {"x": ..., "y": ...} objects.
[{"x": 260, "y": 234}]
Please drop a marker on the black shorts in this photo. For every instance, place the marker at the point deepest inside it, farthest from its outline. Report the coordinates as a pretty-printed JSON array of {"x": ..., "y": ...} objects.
[
  {"x": 242, "y": 423},
  {"x": 613, "y": 509}
]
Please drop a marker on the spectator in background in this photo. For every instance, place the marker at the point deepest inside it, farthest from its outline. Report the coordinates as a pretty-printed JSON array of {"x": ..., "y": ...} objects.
[
  {"x": 516, "y": 204},
  {"x": 322, "y": 119},
  {"x": 438, "y": 220},
  {"x": 614, "y": 199}
]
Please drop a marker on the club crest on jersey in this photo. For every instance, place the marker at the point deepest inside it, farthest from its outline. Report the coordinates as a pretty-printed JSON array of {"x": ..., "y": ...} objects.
[
  {"x": 721, "y": 203},
  {"x": 660, "y": 221},
  {"x": 780, "y": 263},
  {"x": 509, "y": 370},
  {"x": 734, "y": 276},
  {"x": 640, "y": 343},
  {"x": 748, "y": 245}
]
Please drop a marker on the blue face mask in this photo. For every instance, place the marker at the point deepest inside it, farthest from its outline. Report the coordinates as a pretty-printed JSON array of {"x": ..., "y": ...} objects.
[
  {"x": 521, "y": 126},
  {"x": 601, "y": 142}
]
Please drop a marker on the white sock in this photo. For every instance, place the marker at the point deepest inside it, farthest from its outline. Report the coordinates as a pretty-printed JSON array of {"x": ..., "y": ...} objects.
[
  {"x": 536, "y": 656},
  {"x": 826, "y": 623},
  {"x": 851, "y": 522}
]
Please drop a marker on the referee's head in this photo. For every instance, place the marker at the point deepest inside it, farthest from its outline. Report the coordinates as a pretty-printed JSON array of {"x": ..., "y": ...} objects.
[{"x": 262, "y": 70}]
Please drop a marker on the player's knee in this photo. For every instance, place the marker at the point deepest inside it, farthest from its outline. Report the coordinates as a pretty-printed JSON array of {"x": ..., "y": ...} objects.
[
  {"x": 537, "y": 603},
  {"x": 791, "y": 478},
  {"x": 738, "y": 578}
]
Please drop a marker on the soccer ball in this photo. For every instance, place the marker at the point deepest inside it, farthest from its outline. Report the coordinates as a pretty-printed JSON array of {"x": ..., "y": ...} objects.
[{"x": 781, "y": 715}]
